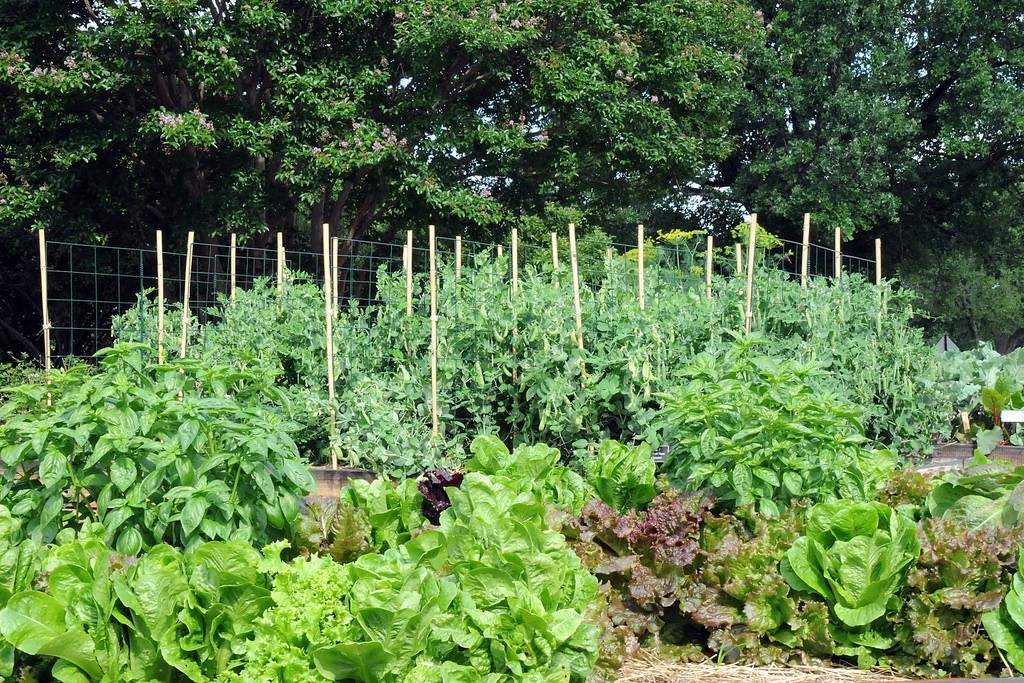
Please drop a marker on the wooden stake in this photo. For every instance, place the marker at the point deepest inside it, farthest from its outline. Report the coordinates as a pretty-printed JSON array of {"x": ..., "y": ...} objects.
[
  {"x": 433, "y": 331},
  {"x": 554, "y": 251},
  {"x": 839, "y": 254},
  {"x": 334, "y": 276},
  {"x": 751, "y": 244},
  {"x": 280, "y": 261},
  {"x": 574, "y": 260},
  {"x": 329, "y": 328},
  {"x": 640, "y": 262},
  {"x": 501, "y": 251},
  {"x": 515, "y": 261},
  {"x": 707, "y": 266},
  {"x": 233, "y": 261},
  {"x": 458, "y": 257},
  {"x": 187, "y": 291},
  {"x": 160, "y": 292},
  {"x": 878, "y": 261},
  {"x": 408, "y": 274},
  {"x": 739, "y": 259},
  {"x": 47, "y": 359},
  {"x": 805, "y": 250}
]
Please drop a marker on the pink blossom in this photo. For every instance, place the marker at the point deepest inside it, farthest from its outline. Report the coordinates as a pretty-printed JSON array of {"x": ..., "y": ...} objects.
[
  {"x": 316, "y": 150},
  {"x": 654, "y": 99},
  {"x": 356, "y": 125},
  {"x": 3, "y": 202},
  {"x": 474, "y": 12},
  {"x": 70, "y": 62},
  {"x": 516, "y": 23},
  {"x": 403, "y": 142},
  {"x": 37, "y": 72},
  {"x": 377, "y": 146},
  {"x": 223, "y": 50},
  {"x": 618, "y": 73},
  {"x": 85, "y": 75},
  {"x": 426, "y": 13},
  {"x": 759, "y": 14},
  {"x": 485, "y": 193},
  {"x": 344, "y": 144},
  {"x": 10, "y": 71},
  {"x": 768, "y": 26},
  {"x": 503, "y": 6},
  {"x": 399, "y": 15}
]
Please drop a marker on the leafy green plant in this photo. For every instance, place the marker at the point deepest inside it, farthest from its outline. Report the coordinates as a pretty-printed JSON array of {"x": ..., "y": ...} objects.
[
  {"x": 178, "y": 453},
  {"x": 103, "y": 616},
  {"x": 394, "y": 511},
  {"x": 960, "y": 576},
  {"x": 988, "y": 494},
  {"x": 20, "y": 563},
  {"x": 623, "y": 477},
  {"x": 492, "y": 594},
  {"x": 757, "y": 430},
  {"x": 1005, "y": 624},
  {"x": 855, "y": 555},
  {"x": 530, "y": 469},
  {"x": 335, "y": 528}
]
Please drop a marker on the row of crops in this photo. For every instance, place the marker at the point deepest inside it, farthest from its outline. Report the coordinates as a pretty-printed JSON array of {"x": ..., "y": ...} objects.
[{"x": 152, "y": 523}]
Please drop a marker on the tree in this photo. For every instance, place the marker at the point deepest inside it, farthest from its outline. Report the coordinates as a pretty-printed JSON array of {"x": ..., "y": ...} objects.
[
  {"x": 900, "y": 119},
  {"x": 220, "y": 115},
  {"x": 119, "y": 117}
]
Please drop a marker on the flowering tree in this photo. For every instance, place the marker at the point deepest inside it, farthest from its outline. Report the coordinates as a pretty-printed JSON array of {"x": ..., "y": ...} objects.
[{"x": 123, "y": 116}]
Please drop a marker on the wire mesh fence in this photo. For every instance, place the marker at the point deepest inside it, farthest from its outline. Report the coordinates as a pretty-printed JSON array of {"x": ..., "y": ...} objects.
[{"x": 90, "y": 286}]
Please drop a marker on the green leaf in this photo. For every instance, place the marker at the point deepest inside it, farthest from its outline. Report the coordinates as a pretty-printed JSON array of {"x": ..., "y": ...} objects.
[
  {"x": 742, "y": 481},
  {"x": 361, "y": 662},
  {"x": 988, "y": 439},
  {"x": 123, "y": 473},
  {"x": 53, "y": 468},
  {"x": 192, "y": 514}
]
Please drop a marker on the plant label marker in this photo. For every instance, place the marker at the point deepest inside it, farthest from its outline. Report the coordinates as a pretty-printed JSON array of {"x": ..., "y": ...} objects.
[
  {"x": 804, "y": 250},
  {"x": 433, "y": 330},
  {"x": 554, "y": 251},
  {"x": 707, "y": 266},
  {"x": 574, "y": 261},
  {"x": 501, "y": 251},
  {"x": 329, "y": 329},
  {"x": 640, "y": 263},
  {"x": 739, "y": 259},
  {"x": 838, "y": 265},
  {"x": 408, "y": 273},
  {"x": 750, "y": 272},
  {"x": 185, "y": 296},
  {"x": 280, "y": 261},
  {"x": 47, "y": 362},
  {"x": 160, "y": 292}
]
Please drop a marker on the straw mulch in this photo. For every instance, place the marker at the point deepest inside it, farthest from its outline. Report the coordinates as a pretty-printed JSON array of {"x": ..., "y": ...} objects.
[{"x": 649, "y": 670}]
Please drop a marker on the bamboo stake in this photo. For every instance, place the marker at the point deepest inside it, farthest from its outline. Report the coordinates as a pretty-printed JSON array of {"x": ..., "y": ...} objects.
[
  {"x": 878, "y": 261},
  {"x": 707, "y": 265},
  {"x": 433, "y": 331},
  {"x": 458, "y": 257},
  {"x": 838, "y": 264},
  {"x": 280, "y": 261},
  {"x": 185, "y": 296},
  {"x": 515, "y": 261},
  {"x": 47, "y": 360},
  {"x": 160, "y": 293},
  {"x": 554, "y": 251},
  {"x": 752, "y": 243},
  {"x": 234, "y": 263},
  {"x": 574, "y": 260},
  {"x": 408, "y": 274},
  {"x": 805, "y": 250},
  {"x": 640, "y": 262},
  {"x": 334, "y": 276},
  {"x": 329, "y": 320},
  {"x": 739, "y": 259}
]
